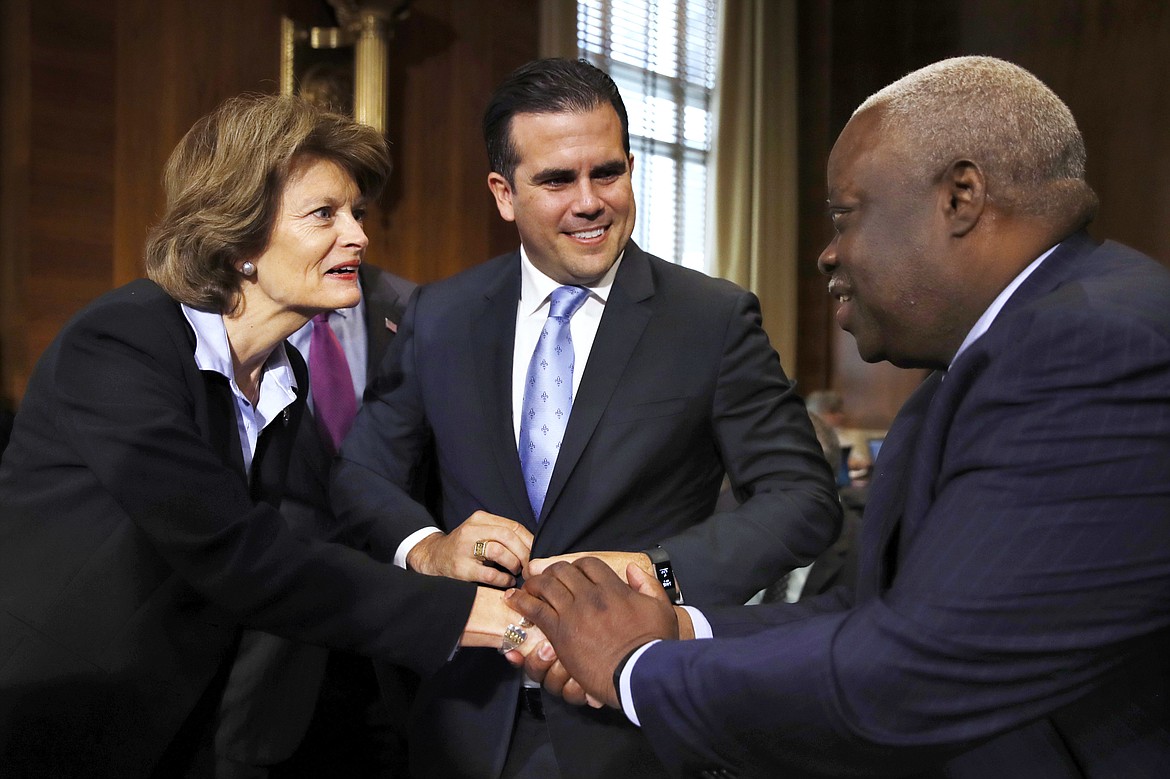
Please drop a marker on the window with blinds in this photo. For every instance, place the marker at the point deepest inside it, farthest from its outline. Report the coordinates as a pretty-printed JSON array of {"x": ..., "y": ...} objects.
[{"x": 661, "y": 54}]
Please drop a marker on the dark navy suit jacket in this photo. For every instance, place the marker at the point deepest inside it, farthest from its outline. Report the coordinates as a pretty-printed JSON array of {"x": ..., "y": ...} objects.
[
  {"x": 1012, "y": 614},
  {"x": 680, "y": 385}
]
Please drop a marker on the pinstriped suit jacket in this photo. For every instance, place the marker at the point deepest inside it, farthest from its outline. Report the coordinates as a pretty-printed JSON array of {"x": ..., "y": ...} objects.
[{"x": 1012, "y": 615}]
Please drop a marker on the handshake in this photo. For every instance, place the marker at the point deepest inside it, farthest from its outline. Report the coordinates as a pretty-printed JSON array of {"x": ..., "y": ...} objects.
[
  {"x": 580, "y": 615},
  {"x": 584, "y": 621}
]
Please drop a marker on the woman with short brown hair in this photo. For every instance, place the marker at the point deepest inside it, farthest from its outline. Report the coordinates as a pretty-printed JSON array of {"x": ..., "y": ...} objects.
[{"x": 139, "y": 528}]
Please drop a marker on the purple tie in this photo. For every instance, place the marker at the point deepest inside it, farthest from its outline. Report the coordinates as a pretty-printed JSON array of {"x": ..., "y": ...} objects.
[{"x": 334, "y": 403}]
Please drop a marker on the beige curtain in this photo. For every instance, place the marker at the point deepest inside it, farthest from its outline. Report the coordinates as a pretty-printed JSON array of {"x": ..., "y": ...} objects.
[{"x": 752, "y": 235}]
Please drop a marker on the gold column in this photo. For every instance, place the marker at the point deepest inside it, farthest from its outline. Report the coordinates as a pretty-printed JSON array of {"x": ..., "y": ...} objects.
[
  {"x": 371, "y": 59},
  {"x": 288, "y": 45}
]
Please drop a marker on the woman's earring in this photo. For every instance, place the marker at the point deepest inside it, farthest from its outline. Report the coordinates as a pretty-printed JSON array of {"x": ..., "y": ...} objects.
[{"x": 247, "y": 268}]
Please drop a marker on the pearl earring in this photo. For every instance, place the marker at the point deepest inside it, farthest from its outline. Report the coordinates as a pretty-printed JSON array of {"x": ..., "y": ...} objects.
[{"x": 247, "y": 268}]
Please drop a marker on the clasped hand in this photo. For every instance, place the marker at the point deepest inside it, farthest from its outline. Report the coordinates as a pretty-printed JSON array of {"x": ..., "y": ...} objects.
[
  {"x": 506, "y": 544},
  {"x": 591, "y": 617},
  {"x": 593, "y": 620}
]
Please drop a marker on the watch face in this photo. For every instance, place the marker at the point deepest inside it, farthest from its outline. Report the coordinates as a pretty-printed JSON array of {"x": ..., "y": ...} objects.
[{"x": 665, "y": 575}]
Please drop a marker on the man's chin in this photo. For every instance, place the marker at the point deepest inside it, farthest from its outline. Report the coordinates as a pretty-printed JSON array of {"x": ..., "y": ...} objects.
[
  {"x": 868, "y": 351},
  {"x": 589, "y": 269}
]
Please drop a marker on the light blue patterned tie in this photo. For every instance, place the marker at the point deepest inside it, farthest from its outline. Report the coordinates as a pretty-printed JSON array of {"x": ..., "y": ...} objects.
[{"x": 548, "y": 395}]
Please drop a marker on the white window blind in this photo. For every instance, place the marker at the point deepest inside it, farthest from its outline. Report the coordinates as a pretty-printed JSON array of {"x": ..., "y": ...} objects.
[{"x": 661, "y": 54}]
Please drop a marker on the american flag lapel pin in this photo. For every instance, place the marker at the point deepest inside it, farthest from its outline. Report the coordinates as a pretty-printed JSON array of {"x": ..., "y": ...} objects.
[{"x": 391, "y": 326}]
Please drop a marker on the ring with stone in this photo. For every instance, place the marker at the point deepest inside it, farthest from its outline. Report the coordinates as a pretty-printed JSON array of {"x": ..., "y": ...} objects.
[
  {"x": 514, "y": 637},
  {"x": 480, "y": 551}
]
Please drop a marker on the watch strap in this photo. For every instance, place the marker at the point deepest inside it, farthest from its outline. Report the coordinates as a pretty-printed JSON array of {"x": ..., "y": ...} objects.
[{"x": 664, "y": 571}]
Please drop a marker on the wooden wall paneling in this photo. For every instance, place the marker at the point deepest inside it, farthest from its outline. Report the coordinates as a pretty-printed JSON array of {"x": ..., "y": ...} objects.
[
  {"x": 176, "y": 62},
  {"x": 516, "y": 34},
  {"x": 16, "y": 110},
  {"x": 58, "y": 180},
  {"x": 437, "y": 216},
  {"x": 96, "y": 95},
  {"x": 71, "y": 190},
  {"x": 1110, "y": 62},
  {"x": 149, "y": 80},
  {"x": 865, "y": 46},
  {"x": 814, "y": 327}
]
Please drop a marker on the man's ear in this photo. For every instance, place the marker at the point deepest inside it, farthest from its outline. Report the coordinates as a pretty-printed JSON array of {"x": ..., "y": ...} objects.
[
  {"x": 502, "y": 192},
  {"x": 965, "y": 188}
]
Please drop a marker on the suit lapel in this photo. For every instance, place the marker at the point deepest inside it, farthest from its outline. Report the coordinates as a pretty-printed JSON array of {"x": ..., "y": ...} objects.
[
  {"x": 493, "y": 334},
  {"x": 905, "y": 453},
  {"x": 275, "y": 443},
  {"x": 626, "y": 316},
  {"x": 1053, "y": 271},
  {"x": 887, "y": 493},
  {"x": 384, "y": 308},
  {"x": 222, "y": 421},
  {"x": 217, "y": 417}
]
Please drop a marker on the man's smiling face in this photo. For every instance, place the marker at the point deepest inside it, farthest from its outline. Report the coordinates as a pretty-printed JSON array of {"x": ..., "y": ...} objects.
[
  {"x": 899, "y": 290},
  {"x": 571, "y": 196}
]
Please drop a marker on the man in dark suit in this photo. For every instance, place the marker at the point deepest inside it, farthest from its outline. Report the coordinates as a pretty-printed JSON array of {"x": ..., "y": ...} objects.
[
  {"x": 1012, "y": 610},
  {"x": 837, "y": 564},
  {"x": 674, "y": 383},
  {"x": 275, "y": 683}
]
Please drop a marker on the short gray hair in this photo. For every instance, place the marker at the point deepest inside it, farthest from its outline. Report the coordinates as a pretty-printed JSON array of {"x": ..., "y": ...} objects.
[{"x": 999, "y": 116}]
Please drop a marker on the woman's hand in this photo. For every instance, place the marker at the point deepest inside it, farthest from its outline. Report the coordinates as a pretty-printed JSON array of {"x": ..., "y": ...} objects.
[{"x": 490, "y": 617}]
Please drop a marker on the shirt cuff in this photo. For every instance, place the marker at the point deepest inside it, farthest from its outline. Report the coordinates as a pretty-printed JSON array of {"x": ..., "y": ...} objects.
[
  {"x": 699, "y": 623},
  {"x": 410, "y": 542},
  {"x": 625, "y": 693}
]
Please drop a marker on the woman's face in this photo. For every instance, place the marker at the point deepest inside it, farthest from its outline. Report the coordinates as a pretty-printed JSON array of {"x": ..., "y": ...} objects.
[{"x": 311, "y": 261}]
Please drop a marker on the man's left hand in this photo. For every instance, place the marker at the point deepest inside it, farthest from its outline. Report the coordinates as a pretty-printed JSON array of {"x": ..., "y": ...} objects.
[{"x": 594, "y": 619}]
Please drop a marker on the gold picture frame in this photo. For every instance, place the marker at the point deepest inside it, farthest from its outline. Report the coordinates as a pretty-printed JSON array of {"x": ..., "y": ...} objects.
[{"x": 343, "y": 68}]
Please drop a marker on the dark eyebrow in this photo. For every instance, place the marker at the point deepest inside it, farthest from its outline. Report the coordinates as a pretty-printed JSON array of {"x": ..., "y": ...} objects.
[
  {"x": 605, "y": 170},
  {"x": 553, "y": 174}
]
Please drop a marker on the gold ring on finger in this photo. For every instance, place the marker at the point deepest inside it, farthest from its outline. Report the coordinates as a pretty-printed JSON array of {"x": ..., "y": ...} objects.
[{"x": 480, "y": 551}]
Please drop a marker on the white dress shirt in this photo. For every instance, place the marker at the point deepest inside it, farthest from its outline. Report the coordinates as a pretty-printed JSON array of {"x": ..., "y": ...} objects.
[
  {"x": 531, "y": 313},
  {"x": 213, "y": 353},
  {"x": 984, "y": 322}
]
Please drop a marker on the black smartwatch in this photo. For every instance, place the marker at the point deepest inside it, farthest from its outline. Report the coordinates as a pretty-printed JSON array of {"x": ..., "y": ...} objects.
[{"x": 665, "y": 573}]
